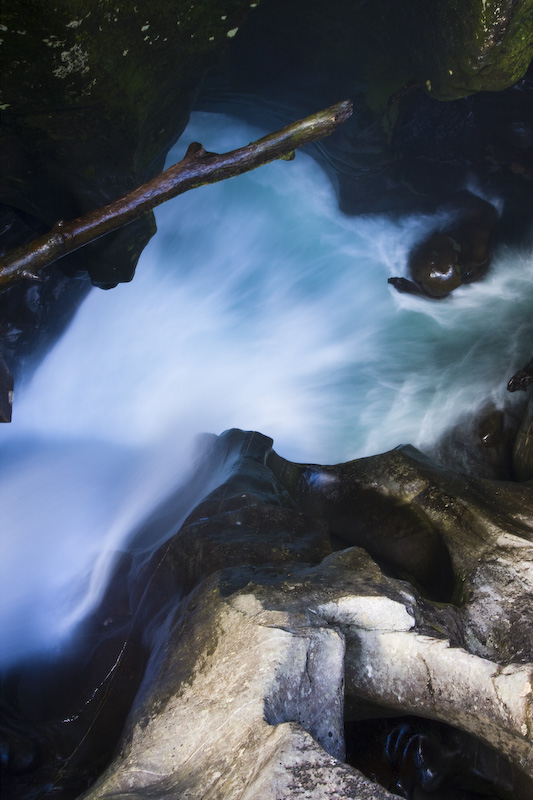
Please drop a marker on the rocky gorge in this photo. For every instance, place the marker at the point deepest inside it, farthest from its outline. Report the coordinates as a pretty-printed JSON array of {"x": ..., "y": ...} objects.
[{"x": 279, "y": 629}]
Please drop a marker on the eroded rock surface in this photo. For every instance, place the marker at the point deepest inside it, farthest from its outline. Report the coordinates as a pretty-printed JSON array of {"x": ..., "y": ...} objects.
[
  {"x": 248, "y": 687},
  {"x": 293, "y": 606}
]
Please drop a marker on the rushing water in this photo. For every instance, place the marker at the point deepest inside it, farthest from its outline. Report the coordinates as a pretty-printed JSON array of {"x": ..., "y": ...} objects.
[{"x": 260, "y": 306}]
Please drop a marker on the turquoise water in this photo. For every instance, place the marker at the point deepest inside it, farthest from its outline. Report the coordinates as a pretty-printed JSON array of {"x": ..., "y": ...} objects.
[{"x": 258, "y": 305}]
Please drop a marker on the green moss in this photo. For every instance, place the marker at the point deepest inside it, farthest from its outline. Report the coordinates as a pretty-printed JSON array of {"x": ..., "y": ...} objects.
[
  {"x": 459, "y": 47},
  {"x": 102, "y": 90}
]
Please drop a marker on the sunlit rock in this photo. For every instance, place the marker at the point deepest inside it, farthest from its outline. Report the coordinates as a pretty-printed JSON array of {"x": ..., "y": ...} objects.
[
  {"x": 253, "y": 680},
  {"x": 244, "y": 695},
  {"x": 259, "y": 641},
  {"x": 259, "y": 711}
]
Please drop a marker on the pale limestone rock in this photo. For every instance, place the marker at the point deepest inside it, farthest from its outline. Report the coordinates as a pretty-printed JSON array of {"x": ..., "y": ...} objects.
[
  {"x": 252, "y": 676},
  {"x": 245, "y": 697},
  {"x": 238, "y": 703}
]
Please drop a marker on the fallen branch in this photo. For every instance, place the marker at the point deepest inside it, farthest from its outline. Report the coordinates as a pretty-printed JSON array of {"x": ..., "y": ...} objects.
[{"x": 197, "y": 169}]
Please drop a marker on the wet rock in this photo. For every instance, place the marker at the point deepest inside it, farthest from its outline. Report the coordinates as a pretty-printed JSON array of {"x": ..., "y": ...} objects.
[
  {"x": 523, "y": 447},
  {"x": 459, "y": 253},
  {"x": 93, "y": 99},
  {"x": 522, "y": 456},
  {"x": 481, "y": 444},
  {"x": 33, "y": 313},
  {"x": 6, "y": 392},
  {"x": 249, "y": 645},
  {"x": 398, "y": 534},
  {"x": 521, "y": 379},
  {"x": 248, "y": 519},
  {"x": 462, "y": 47}
]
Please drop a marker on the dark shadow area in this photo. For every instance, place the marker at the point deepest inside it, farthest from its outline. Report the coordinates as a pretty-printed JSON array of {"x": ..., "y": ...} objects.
[
  {"x": 61, "y": 713},
  {"x": 401, "y": 540},
  {"x": 418, "y": 758}
]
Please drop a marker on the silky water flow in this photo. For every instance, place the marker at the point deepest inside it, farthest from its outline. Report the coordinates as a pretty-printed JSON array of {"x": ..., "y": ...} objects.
[{"x": 258, "y": 305}]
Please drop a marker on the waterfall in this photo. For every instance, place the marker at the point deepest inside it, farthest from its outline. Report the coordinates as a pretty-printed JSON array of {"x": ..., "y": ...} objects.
[{"x": 257, "y": 305}]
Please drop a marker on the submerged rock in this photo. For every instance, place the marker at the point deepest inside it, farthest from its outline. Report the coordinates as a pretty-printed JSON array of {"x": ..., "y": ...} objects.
[
  {"x": 456, "y": 254},
  {"x": 261, "y": 645}
]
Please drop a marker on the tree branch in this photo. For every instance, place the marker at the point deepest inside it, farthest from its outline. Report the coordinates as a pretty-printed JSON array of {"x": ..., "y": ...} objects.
[{"x": 196, "y": 169}]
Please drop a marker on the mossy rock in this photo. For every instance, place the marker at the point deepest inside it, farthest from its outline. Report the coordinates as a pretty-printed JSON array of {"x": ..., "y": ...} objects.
[
  {"x": 458, "y": 47},
  {"x": 94, "y": 95}
]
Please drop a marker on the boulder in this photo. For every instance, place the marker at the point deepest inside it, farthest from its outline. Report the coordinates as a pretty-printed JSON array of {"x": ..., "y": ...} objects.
[
  {"x": 522, "y": 456},
  {"x": 458, "y": 48},
  {"x": 262, "y": 645},
  {"x": 456, "y": 254},
  {"x": 254, "y": 680}
]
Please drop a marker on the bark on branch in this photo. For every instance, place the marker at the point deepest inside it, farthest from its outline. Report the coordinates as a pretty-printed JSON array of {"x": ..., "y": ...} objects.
[{"x": 197, "y": 169}]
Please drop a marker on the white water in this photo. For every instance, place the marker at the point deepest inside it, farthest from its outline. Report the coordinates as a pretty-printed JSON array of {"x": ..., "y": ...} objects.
[{"x": 258, "y": 305}]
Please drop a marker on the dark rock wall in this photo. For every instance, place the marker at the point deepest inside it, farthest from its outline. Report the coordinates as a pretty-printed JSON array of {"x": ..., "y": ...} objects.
[
  {"x": 466, "y": 46},
  {"x": 404, "y": 148},
  {"x": 93, "y": 96}
]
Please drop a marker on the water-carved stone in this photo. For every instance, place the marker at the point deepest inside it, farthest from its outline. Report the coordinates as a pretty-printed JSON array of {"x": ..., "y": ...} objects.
[
  {"x": 456, "y": 254},
  {"x": 257, "y": 635}
]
